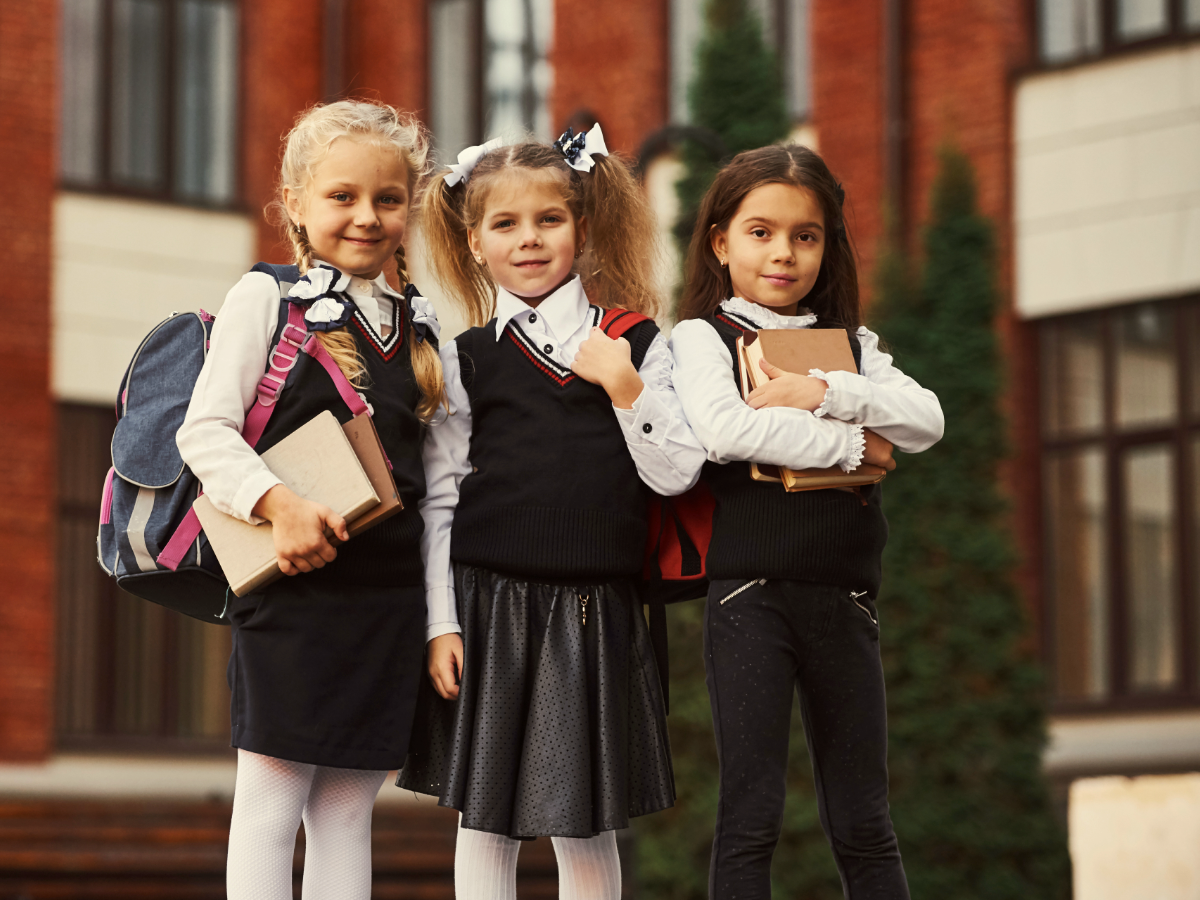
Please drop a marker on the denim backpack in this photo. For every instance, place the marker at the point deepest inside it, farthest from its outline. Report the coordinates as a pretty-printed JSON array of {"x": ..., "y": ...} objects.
[{"x": 150, "y": 540}]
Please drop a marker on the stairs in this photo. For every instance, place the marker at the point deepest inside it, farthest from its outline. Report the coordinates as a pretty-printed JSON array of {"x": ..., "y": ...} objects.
[{"x": 172, "y": 850}]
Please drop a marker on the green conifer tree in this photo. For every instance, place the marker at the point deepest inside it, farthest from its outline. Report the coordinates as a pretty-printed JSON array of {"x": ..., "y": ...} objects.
[
  {"x": 736, "y": 96},
  {"x": 966, "y": 720}
]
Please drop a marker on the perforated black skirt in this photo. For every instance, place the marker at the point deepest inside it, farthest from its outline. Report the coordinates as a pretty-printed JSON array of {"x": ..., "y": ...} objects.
[{"x": 559, "y": 728}]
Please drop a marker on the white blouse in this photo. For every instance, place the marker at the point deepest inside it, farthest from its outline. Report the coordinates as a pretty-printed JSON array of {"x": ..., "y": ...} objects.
[
  {"x": 210, "y": 439},
  {"x": 881, "y": 398},
  {"x": 666, "y": 452}
]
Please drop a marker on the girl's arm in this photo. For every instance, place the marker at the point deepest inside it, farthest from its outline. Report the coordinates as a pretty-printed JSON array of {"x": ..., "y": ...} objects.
[
  {"x": 883, "y": 399},
  {"x": 444, "y": 455},
  {"x": 234, "y": 477},
  {"x": 731, "y": 430},
  {"x": 210, "y": 439},
  {"x": 667, "y": 454}
]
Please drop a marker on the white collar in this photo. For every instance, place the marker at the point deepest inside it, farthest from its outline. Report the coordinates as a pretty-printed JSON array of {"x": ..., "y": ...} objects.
[
  {"x": 767, "y": 318},
  {"x": 563, "y": 310},
  {"x": 367, "y": 301}
]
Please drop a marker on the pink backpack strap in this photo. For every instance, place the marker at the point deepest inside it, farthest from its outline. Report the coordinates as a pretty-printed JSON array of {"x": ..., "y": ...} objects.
[
  {"x": 279, "y": 363},
  {"x": 350, "y": 396}
]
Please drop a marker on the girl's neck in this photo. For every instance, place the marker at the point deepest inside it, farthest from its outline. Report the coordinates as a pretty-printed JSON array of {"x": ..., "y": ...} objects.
[{"x": 534, "y": 301}]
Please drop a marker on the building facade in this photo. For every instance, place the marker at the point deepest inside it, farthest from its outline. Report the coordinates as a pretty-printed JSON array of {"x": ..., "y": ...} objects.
[{"x": 144, "y": 137}]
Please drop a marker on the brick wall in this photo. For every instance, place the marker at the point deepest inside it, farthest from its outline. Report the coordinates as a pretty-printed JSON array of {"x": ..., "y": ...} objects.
[
  {"x": 611, "y": 58},
  {"x": 28, "y": 109}
]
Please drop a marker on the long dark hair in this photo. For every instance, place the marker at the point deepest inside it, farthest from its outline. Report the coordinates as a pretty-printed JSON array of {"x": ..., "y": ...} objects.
[{"x": 834, "y": 296}]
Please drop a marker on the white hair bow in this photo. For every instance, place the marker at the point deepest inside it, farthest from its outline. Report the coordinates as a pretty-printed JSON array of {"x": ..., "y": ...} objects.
[
  {"x": 580, "y": 148},
  {"x": 468, "y": 160}
]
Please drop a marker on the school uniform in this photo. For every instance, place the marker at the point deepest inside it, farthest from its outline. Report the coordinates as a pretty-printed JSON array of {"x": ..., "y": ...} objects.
[
  {"x": 536, "y": 513},
  {"x": 325, "y": 664},
  {"x": 791, "y": 605}
]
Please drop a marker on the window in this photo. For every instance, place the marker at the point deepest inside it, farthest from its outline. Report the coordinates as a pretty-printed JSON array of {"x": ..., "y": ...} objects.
[
  {"x": 490, "y": 72},
  {"x": 130, "y": 673},
  {"x": 786, "y": 28},
  {"x": 149, "y": 102},
  {"x": 1121, "y": 463},
  {"x": 1070, "y": 30}
]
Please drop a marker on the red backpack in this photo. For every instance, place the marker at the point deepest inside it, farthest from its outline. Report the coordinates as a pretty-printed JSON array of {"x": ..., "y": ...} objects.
[{"x": 679, "y": 530}]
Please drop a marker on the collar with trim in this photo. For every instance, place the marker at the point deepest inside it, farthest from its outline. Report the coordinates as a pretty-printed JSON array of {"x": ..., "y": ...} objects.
[
  {"x": 766, "y": 318},
  {"x": 564, "y": 310}
]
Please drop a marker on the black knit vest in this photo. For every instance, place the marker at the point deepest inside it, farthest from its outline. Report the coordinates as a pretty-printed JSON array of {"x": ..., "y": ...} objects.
[
  {"x": 762, "y": 531},
  {"x": 388, "y": 553},
  {"x": 553, "y": 493}
]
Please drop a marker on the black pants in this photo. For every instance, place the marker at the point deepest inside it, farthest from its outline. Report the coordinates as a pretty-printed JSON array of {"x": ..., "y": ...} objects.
[{"x": 760, "y": 640}]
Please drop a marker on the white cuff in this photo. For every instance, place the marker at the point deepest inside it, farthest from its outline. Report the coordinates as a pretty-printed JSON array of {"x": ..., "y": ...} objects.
[
  {"x": 858, "y": 446},
  {"x": 647, "y": 422},
  {"x": 250, "y": 493},
  {"x": 823, "y": 409},
  {"x": 437, "y": 629}
]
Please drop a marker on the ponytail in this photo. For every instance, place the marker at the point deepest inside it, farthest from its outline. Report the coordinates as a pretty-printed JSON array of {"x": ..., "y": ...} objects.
[
  {"x": 426, "y": 365},
  {"x": 449, "y": 251},
  {"x": 622, "y": 248}
]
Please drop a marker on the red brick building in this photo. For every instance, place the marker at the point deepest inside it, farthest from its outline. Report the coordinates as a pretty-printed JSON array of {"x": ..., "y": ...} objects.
[{"x": 144, "y": 137}]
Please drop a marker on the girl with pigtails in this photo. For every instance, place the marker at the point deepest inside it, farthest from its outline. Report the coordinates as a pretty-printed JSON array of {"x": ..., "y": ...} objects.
[
  {"x": 326, "y": 664},
  {"x": 544, "y": 713}
]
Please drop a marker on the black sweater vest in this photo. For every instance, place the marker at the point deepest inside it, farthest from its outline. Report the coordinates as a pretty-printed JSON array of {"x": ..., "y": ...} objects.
[
  {"x": 389, "y": 553},
  {"x": 762, "y": 531},
  {"x": 553, "y": 493}
]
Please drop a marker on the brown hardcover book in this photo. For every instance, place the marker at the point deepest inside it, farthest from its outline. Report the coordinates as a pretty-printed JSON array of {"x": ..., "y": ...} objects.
[
  {"x": 364, "y": 440},
  {"x": 797, "y": 350},
  {"x": 318, "y": 462}
]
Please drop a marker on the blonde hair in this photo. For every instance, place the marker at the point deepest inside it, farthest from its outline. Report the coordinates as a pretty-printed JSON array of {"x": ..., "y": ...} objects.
[
  {"x": 622, "y": 242},
  {"x": 305, "y": 146}
]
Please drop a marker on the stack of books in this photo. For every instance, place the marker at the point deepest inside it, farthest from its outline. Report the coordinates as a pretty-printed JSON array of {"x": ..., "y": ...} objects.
[
  {"x": 798, "y": 350},
  {"x": 343, "y": 467}
]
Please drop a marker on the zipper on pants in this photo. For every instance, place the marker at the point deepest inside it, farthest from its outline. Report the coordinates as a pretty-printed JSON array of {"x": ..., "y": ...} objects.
[
  {"x": 744, "y": 587},
  {"x": 854, "y": 595}
]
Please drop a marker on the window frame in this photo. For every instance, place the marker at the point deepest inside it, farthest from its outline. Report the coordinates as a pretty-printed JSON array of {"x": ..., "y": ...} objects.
[
  {"x": 1110, "y": 43},
  {"x": 1114, "y": 441},
  {"x": 105, "y": 184}
]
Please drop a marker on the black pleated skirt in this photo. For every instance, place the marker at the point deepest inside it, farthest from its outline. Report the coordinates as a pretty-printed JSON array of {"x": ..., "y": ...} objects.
[
  {"x": 559, "y": 727},
  {"x": 327, "y": 675}
]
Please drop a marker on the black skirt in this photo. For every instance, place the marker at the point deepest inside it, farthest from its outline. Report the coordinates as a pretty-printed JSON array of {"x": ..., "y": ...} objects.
[
  {"x": 327, "y": 675},
  {"x": 559, "y": 727}
]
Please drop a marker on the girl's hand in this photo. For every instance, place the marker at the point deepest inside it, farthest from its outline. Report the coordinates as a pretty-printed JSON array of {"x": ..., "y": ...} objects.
[
  {"x": 606, "y": 362},
  {"x": 877, "y": 451},
  {"x": 787, "y": 389},
  {"x": 446, "y": 664},
  {"x": 299, "y": 527}
]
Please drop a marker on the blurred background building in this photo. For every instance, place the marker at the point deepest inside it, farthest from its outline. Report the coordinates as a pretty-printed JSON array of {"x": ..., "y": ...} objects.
[{"x": 141, "y": 138}]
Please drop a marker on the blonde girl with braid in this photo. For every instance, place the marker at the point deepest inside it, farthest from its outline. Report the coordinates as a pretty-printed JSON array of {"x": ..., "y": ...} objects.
[
  {"x": 326, "y": 663},
  {"x": 544, "y": 713}
]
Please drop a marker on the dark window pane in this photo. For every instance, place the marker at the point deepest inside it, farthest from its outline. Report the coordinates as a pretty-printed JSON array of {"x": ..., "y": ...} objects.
[
  {"x": 206, "y": 112},
  {"x": 137, "y": 93},
  {"x": 1147, "y": 383},
  {"x": 453, "y": 77},
  {"x": 1078, "y": 587},
  {"x": 125, "y": 666},
  {"x": 79, "y": 147},
  {"x": 1072, "y": 376},
  {"x": 1139, "y": 19},
  {"x": 1191, "y": 15},
  {"x": 1151, "y": 583},
  {"x": 1069, "y": 29},
  {"x": 517, "y": 36}
]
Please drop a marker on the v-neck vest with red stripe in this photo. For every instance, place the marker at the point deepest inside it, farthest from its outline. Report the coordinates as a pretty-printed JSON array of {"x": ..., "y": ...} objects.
[
  {"x": 553, "y": 492},
  {"x": 389, "y": 553}
]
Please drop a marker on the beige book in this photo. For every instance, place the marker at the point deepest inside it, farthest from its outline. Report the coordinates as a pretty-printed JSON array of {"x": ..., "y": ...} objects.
[
  {"x": 797, "y": 350},
  {"x": 318, "y": 463}
]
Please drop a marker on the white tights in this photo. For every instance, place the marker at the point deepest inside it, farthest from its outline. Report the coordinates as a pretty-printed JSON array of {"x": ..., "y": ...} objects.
[
  {"x": 485, "y": 866},
  {"x": 270, "y": 799}
]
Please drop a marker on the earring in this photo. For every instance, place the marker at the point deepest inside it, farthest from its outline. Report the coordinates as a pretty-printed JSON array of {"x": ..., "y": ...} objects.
[{"x": 723, "y": 264}]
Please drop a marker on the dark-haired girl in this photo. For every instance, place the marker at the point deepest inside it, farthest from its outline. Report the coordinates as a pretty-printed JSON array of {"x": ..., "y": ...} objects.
[{"x": 794, "y": 575}]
